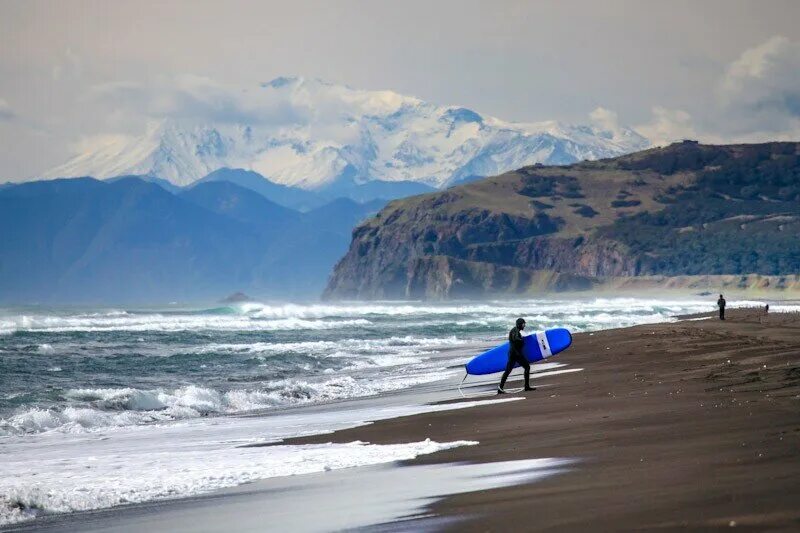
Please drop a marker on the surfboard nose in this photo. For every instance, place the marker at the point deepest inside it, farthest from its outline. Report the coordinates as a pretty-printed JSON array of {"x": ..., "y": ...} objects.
[{"x": 559, "y": 339}]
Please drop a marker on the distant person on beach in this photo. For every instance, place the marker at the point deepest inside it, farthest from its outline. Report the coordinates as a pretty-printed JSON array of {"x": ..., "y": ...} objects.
[
  {"x": 721, "y": 303},
  {"x": 766, "y": 309},
  {"x": 515, "y": 343}
]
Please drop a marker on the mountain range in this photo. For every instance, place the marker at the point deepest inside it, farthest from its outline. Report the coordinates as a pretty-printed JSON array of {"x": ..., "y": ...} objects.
[
  {"x": 686, "y": 216},
  {"x": 133, "y": 240},
  {"x": 315, "y": 135}
]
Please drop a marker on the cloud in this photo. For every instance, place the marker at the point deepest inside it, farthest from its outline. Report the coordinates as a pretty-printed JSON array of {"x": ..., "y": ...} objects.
[
  {"x": 6, "y": 113},
  {"x": 757, "y": 100},
  {"x": 194, "y": 98},
  {"x": 605, "y": 119},
  {"x": 760, "y": 91},
  {"x": 94, "y": 143},
  {"x": 667, "y": 126}
]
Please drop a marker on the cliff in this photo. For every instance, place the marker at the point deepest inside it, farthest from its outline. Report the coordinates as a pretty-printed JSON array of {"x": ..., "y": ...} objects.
[{"x": 683, "y": 215}]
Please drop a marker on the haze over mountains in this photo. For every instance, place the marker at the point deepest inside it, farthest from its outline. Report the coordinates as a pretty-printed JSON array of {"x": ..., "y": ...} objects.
[
  {"x": 130, "y": 240},
  {"x": 315, "y": 135}
]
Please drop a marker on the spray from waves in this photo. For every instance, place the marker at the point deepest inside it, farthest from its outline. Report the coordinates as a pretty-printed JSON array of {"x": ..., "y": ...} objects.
[
  {"x": 576, "y": 322},
  {"x": 485, "y": 308},
  {"x": 168, "y": 323},
  {"x": 280, "y": 317}
]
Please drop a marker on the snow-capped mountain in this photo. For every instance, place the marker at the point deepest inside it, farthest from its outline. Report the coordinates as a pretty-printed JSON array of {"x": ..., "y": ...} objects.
[{"x": 317, "y": 134}]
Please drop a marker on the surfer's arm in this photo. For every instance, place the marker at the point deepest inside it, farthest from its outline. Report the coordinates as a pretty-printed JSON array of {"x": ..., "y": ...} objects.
[{"x": 516, "y": 339}]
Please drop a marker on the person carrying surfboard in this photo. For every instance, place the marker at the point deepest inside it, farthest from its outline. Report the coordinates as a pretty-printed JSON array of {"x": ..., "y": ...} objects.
[{"x": 515, "y": 344}]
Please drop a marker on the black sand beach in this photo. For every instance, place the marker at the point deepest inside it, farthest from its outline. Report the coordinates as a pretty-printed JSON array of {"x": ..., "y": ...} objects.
[{"x": 692, "y": 425}]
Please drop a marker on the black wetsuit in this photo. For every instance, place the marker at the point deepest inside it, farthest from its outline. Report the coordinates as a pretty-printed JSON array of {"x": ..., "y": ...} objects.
[
  {"x": 515, "y": 356},
  {"x": 721, "y": 303}
]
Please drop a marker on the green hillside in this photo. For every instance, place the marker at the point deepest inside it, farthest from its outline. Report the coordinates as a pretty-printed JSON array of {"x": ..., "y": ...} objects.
[{"x": 683, "y": 210}]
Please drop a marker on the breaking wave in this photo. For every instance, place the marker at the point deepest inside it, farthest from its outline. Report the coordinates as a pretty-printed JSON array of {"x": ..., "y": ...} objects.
[
  {"x": 175, "y": 364},
  {"x": 102, "y": 408}
]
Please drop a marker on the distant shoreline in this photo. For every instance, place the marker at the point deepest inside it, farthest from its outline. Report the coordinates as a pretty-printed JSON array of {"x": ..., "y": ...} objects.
[{"x": 609, "y": 292}]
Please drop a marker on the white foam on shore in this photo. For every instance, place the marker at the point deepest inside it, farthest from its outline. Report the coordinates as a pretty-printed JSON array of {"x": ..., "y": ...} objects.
[
  {"x": 136, "y": 464},
  {"x": 96, "y": 482},
  {"x": 780, "y": 308}
]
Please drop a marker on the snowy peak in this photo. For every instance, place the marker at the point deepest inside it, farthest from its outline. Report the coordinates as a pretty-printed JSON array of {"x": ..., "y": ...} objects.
[{"x": 313, "y": 134}]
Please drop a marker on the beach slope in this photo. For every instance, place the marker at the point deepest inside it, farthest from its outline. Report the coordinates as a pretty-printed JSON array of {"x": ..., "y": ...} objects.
[{"x": 694, "y": 424}]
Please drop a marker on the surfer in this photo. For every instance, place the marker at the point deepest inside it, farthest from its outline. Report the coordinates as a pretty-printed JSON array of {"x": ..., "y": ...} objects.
[
  {"x": 515, "y": 344},
  {"x": 721, "y": 303}
]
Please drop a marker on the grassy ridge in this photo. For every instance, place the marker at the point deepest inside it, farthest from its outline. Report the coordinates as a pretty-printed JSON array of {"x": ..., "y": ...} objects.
[{"x": 685, "y": 209}]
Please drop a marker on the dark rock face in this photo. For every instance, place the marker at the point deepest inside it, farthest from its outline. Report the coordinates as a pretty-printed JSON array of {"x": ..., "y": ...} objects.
[
  {"x": 524, "y": 231},
  {"x": 389, "y": 266},
  {"x": 439, "y": 277},
  {"x": 596, "y": 259},
  {"x": 382, "y": 257},
  {"x": 429, "y": 253}
]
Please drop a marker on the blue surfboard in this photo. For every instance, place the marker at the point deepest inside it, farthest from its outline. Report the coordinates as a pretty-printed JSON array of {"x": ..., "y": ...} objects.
[{"x": 536, "y": 347}]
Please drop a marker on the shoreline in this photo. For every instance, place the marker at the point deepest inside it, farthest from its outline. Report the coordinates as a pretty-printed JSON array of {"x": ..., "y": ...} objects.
[
  {"x": 685, "y": 424},
  {"x": 670, "y": 425}
]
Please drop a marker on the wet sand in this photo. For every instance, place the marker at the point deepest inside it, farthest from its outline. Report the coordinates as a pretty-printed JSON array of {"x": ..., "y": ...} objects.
[{"x": 692, "y": 425}]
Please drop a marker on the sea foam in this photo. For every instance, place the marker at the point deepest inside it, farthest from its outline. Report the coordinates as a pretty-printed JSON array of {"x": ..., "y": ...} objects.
[
  {"x": 95, "y": 482},
  {"x": 137, "y": 464},
  {"x": 106, "y": 408}
]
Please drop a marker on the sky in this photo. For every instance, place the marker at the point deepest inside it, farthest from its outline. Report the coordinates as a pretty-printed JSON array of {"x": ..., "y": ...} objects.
[{"x": 72, "y": 72}]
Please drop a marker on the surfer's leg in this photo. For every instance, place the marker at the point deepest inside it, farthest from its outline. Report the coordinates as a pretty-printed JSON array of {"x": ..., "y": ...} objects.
[
  {"x": 509, "y": 368},
  {"x": 527, "y": 366}
]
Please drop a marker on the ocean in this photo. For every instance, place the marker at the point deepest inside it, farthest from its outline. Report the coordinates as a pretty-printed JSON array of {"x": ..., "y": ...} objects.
[{"x": 102, "y": 407}]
